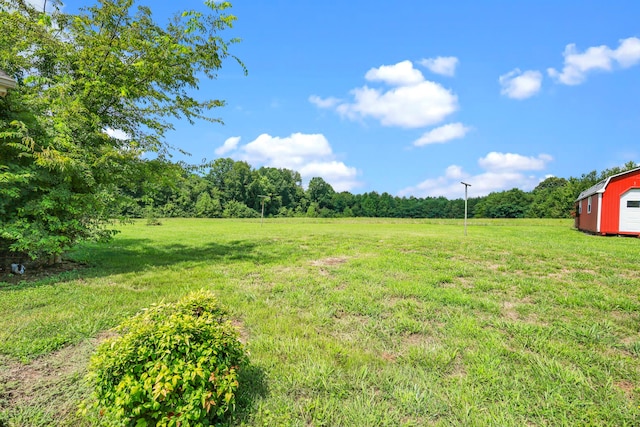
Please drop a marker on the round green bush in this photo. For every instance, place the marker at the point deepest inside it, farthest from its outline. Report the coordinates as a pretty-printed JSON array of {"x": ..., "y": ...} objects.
[{"x": 170, "y": 365}]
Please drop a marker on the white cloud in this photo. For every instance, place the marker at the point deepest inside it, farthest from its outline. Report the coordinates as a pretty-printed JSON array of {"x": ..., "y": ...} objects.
[
  {"x": 444, "y": 65},
  {"x": 495, "y": 161},
  {"x": 442, "y": 134},
  {"x": 294, "y": 150},
  {"x": 454, "y": 172},
  {"x": 229, "y": 145},
  {"x": 520, "y": 85},
  {"x": 412, "y": 103},
  {"x": 415, "y": 106},
  {"x": 329, "y": 102},
  {"x": 309, "y": 154},
  {"x": 628, "y": 53},
  {"x": 576, "y": 65},
  {"x": 340, "y": 176},
  {"x": 117, "y": 134},
  {"x": 598, "y": 58},
  {"x": 400, "y": 74},
  {"x": 502, "y": 171}
]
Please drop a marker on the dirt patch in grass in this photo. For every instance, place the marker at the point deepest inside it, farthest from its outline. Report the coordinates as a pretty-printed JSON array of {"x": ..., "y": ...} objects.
[
  {"x": 34, "y": 272},
  {"x": 495, "y": 266},
  {"x": 408, "y": 251},
  {"x": 509, "y": 310},
  {"x": 564, "y": 274},
  {"x": 417, "y": 339},
  {"x": 341, "y": 287},
  {"x": 458, "y": 369},
  {"x": 389, "y": 357},
  {"x": 326, "y": 262},
  {"x": 244, "y": 335},
  {"x": 459, "y": 282},
  {"x": 627, "y": 388},
  {"x": 347, "y": 326}
]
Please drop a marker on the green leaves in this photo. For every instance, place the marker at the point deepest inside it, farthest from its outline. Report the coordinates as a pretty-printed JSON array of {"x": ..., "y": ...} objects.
[
  {"x": 172, "y": 364},
  {"x": 110, "y": 66}
]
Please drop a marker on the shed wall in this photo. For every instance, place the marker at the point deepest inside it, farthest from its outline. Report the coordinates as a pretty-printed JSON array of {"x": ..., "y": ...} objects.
[
  {"x": 589, "y": 221},
  {"x": 611, "y": 201}
]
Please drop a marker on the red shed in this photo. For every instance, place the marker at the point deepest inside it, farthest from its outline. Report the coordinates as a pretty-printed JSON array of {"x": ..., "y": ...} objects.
[{"x": 611, "y": 206}]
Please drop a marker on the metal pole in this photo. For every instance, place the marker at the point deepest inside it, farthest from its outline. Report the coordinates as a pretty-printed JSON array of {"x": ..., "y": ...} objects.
[
  {"x": 466, "y": 186},
  {"x": 465, "y": 210}
]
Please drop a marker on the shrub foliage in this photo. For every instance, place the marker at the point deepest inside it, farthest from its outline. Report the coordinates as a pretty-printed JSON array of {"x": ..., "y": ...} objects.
[{"x": 171, "y": 365}]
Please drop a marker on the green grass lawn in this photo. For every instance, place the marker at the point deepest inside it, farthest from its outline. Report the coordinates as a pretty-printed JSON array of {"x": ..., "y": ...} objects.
[{"x": 358, "y": 322}]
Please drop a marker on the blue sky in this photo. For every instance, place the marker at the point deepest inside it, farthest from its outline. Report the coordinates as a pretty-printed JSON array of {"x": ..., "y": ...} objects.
[{"x": 412, "y": 97}]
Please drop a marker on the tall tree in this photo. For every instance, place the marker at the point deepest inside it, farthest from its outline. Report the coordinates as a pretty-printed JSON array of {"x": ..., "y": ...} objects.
[
  {"x": 342, "y": 203},
  {"x": 552, "y": 198},
  {"x": 81, "y": 77},
  {"x": 321, "y": 192},
  {"x": 513, "y": 203}
]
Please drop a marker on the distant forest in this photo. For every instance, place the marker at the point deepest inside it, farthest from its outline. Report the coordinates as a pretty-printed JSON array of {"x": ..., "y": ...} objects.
[{"x": 226, "y": 188}]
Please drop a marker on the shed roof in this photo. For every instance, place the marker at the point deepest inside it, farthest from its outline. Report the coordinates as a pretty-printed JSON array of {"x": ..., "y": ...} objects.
[{"x": 602, "y": 185}]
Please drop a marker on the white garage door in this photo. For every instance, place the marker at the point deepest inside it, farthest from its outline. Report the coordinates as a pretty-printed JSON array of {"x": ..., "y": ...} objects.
[{"x": 630, "y": 211}]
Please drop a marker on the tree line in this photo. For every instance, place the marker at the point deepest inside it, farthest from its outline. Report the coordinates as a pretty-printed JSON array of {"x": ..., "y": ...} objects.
[{"x": 226, "y": 188}]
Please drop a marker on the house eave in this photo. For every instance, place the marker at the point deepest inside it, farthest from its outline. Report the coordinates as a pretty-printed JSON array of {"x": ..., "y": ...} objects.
[
  {"x": 7, "y": 82},
  {"x": 601, "y": 186}
]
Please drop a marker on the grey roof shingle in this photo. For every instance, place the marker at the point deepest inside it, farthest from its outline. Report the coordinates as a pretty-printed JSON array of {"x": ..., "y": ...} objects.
[{"x": 600, "y": 187}]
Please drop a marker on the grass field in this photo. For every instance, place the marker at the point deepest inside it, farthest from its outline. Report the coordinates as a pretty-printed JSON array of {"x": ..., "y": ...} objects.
[{"x": 358, "y": 322}]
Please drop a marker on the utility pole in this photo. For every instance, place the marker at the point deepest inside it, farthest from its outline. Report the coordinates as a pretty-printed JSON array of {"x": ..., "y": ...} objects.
[{"x": 466, "y": 186}]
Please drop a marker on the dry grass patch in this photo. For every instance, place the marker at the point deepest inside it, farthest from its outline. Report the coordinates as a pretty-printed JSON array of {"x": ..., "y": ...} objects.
[
  {"x": 327, "y": 262},
  {"x": 330, "y": 261},
  {"x": 509, "y": 310},
  {"x": 420, "y": 340},
  {"x": 239, "y": 326},
  {"x": 627, "y": 387}
]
